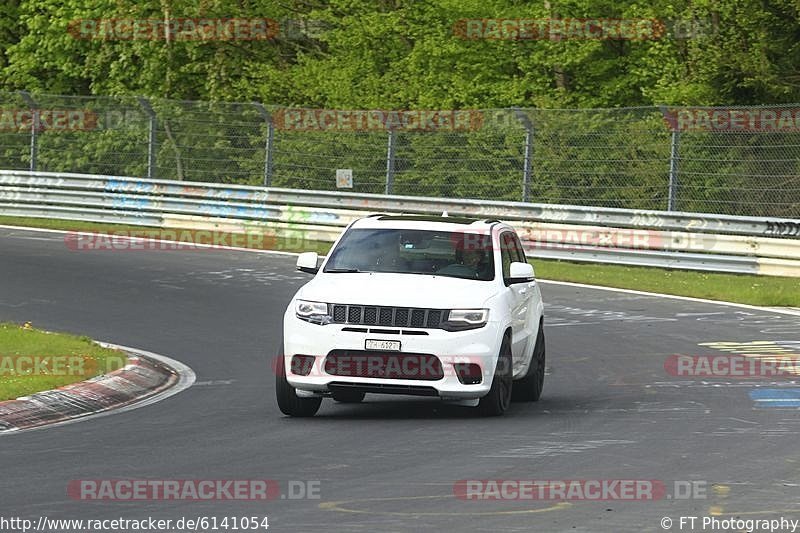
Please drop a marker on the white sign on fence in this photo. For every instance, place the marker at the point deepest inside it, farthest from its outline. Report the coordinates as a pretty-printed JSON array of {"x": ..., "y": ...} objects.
[{"x": 344, "y": 178}]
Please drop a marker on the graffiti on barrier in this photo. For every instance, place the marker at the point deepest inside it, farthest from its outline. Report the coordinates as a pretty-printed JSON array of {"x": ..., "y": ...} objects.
[{"x": 787, "y": 229}]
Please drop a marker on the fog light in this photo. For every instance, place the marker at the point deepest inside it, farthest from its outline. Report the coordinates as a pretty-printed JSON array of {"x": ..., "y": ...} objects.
[
  {"x": 468, "y": 373},
  {"x": 302, "y": 364}
]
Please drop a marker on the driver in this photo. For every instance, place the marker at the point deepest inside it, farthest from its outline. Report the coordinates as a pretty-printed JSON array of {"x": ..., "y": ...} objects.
[{"x": 472, "y": 259}]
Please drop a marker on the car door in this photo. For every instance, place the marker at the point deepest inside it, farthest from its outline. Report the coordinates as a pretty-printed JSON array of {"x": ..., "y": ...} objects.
[
  {"x": 518, "y": 297},
  {"x": 528, "y": 311}
]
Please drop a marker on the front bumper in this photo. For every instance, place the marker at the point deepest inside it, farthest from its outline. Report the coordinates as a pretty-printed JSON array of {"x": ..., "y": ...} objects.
[{"x": 478, "y": 346}]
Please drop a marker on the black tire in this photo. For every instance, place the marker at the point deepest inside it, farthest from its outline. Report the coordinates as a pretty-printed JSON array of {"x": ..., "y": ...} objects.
[
  {"x": 288, "y": 401},
  {"x": 348, "y": 396},
  {"x": 529, "y": 388},
  {"x": 499, "y": 398}
]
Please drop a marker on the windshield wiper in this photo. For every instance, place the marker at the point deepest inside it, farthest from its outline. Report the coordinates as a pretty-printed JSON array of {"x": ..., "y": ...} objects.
[{"x": 342, "y": 270}]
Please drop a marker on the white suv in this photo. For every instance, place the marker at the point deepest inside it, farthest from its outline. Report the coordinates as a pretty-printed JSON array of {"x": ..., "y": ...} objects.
[{"x": 430, "y": 306}]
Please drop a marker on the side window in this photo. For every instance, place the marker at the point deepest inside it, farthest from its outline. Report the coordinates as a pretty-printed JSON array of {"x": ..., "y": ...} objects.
[
  {"x": 520, "y": 251},
  {"x": 507, "y": 253}
]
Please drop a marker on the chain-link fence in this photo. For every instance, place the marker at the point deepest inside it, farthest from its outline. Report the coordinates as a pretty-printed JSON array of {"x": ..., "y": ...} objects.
[{"x": 642, "y": 158}]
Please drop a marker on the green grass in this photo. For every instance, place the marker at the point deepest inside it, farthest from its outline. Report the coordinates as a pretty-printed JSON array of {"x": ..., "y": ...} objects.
[
  {"x": 32, "y": 360},
  {"x": 741, "y": 288},
  {"x": 69, "y": 225}
]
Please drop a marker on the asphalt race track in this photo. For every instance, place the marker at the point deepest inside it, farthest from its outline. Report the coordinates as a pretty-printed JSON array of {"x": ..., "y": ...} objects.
[{"x": 610, "y": 410}]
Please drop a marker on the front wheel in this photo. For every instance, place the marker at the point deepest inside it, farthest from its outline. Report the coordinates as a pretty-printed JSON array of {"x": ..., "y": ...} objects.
[
  {"x": 529, "y": 388},
  {"x": 288, "y": 400},
  {"x": 499, "y": 398}
]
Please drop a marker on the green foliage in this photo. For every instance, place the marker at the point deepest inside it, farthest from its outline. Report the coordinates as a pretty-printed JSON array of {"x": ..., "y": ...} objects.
[{"x": 405, "y": 54}]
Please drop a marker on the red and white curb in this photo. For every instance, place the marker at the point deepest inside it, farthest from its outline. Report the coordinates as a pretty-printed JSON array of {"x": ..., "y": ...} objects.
[{"x": 146, "y": 379}]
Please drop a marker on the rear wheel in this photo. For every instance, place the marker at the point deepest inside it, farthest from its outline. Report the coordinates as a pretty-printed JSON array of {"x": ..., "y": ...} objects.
[
  {"x": 529, "y": 388},
  {"x": 288, "y": 400},
  {"x": 348, "y": 396},
  {"x": 499, "y": 398}
]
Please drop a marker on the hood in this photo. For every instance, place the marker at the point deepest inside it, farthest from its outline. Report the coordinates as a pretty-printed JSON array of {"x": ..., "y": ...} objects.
[{"x": 400, "y": 290}]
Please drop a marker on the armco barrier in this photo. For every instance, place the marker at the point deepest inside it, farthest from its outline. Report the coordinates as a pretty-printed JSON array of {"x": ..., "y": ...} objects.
[{"x": 694, "y": 241}]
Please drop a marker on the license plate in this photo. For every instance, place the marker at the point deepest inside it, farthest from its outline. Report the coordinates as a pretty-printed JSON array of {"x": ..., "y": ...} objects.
[{"x": 372, "y": 344}]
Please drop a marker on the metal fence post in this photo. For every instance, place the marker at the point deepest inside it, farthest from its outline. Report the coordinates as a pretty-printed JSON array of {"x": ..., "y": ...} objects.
[
  {"x": 270, "y": 142},
  {"x": 152, "y": 137},
  {"x": 390, "y": 161},
  {"x": 527, "y": 162},
  {"x": 35, "y": 123},
  {"x": 672, "y": 200}
]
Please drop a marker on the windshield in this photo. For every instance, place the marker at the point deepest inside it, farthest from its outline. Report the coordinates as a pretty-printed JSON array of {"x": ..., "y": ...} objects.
[{"x": 410, "y": 251}]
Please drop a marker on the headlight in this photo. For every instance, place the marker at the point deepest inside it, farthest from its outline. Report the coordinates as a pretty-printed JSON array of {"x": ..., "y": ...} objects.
[
  {"x": 460, "y": 319},
  {"x": 316, "y": 312}
]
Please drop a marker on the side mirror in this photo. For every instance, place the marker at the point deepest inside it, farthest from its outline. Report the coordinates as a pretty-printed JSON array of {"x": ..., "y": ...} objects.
[
  {"x": 520, "y": 273},
  {"x": 307, "y": 262}
]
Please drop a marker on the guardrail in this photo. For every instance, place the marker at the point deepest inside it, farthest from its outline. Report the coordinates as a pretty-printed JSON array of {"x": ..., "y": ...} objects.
[{"x": 694, "y": 241}]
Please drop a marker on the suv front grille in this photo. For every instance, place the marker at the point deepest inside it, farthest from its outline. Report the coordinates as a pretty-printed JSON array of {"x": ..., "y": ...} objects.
[
  {"x": 403, "y": 317},
  {"x": 339, "y": 313},
  {"x": 354, "y": 314}
]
